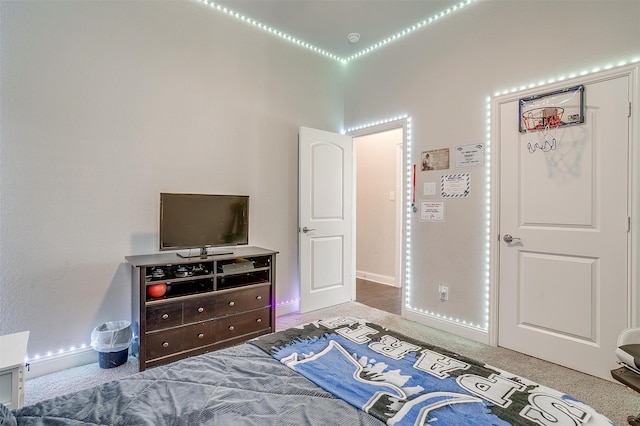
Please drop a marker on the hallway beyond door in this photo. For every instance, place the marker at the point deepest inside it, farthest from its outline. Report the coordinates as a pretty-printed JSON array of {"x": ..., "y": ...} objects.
[{"x": 380, "y": 296}]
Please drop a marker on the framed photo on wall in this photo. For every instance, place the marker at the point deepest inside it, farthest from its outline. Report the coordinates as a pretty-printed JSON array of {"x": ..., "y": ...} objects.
[{"x": 437, "y": 159}]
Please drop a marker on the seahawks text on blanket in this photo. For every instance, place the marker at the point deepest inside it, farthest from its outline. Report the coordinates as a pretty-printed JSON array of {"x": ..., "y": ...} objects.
[{"x": 402, "y": 381}]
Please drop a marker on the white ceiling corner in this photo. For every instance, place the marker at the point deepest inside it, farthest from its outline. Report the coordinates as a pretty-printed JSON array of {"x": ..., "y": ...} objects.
[{"x": 325, "y": 24}]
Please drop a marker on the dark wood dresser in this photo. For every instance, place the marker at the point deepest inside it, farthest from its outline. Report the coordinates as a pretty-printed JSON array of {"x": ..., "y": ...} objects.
[{"x": 208, "y": 303}]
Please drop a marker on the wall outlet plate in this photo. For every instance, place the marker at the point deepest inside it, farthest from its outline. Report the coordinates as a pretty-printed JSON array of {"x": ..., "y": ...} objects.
[
  {"x": 429, "y": 188},
  {"x": 443, "y": 290}
]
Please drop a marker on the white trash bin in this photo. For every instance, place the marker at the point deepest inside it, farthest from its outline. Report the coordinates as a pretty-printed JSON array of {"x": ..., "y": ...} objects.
[{"x": 112, "y": 340}]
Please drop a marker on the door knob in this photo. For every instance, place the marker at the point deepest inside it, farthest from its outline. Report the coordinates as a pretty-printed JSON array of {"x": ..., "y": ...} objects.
[
  {"x": 508, "y": 238},
  {"x": 305, "y": 229}
]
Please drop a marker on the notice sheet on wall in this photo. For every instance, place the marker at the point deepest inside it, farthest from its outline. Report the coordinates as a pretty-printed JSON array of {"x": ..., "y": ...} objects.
[
  {"x": 455, "y": 186},
  {"x": 470, "y": 155},
  {"x": 432, "y": 211}
]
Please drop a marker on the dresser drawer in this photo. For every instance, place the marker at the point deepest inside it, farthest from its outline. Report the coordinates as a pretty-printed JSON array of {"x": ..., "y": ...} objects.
[
  {"x": 163, "y": 343},
  {"x": 259, "y": 297},
  {"x": 164, "y": 316},
  {"x": 244, "y": 323},
  {"x": 201, "y": 309},
  {"x": 229, "y": 303},
  {"x": 200, "y": 334},
  {"x": 167, "y": 342},
  {"x": 242, "y": 300}
]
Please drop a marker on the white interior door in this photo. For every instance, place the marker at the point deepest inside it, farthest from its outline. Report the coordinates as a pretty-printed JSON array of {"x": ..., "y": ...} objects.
[
  {"x": 563, "y": 283},
  {"x": 326, "y": 216}
]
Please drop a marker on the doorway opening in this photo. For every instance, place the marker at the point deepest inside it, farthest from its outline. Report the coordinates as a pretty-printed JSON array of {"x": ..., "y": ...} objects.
[{"x": 379, "y": 175}]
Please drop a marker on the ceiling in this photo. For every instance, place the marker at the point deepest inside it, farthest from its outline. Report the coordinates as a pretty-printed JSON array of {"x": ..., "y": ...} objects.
[{"x": 325, "y": 24}]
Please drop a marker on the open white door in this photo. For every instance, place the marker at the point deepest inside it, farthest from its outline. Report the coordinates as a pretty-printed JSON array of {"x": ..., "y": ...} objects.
[
  {"x": 326, "y": 215},
  {"x": 564, "y": 235}
]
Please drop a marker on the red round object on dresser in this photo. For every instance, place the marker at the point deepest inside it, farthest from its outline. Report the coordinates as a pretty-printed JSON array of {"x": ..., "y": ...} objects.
[{"x": 157, "y": 290}]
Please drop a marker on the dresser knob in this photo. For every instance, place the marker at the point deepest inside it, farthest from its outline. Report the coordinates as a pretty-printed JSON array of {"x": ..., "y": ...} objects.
[
  {"x": 165, "y": 316},
  {"x": 232, "y": 303},
  {"x": 200, "y": 336},
  {"x": 259, "y": 298},
  {"x": 231, "y": 328},
  {"x": 201, "y": 310},
  {"x": 165, "y": 345},
  {"x": 259, "y": 320}
]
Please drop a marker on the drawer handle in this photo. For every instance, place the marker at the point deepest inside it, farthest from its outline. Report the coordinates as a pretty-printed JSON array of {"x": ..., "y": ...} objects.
[
  {"x": 259, "y": 320},
  {"x": 165, "y": 316},
  {"x": 165, "y": 345},
  {"x": 231, "y": 328},
  {"x": 232, "y": 303},
  {"x": 200, "y": 336},
  {"x": 259, "y": 298},
  {"x": 201, "y": 310}
]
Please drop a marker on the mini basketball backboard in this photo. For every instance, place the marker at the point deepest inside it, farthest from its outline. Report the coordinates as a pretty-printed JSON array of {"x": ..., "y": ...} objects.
[
  {"x": 537, "y": 111},
  {"x": 541, "y": 115}
]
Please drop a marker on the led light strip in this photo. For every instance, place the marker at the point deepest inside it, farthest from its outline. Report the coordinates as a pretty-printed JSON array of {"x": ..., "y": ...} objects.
[
  {"x": 409, "y": 30},
  {"x": 487, "y": 224},
  {"x": 72, "y": 349},
  {"x": 52, "y": 354},
  {"x": 563, "y": 77},
  {"x": 288, "y": 302},
  {"x": 409, "y": 211},
  {"x": 323, "y": 52},
  {"x": 272, "y": 30}
]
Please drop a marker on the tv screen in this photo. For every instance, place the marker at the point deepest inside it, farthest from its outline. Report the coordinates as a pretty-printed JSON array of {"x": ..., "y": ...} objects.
[{"x": 189, "y": 221}]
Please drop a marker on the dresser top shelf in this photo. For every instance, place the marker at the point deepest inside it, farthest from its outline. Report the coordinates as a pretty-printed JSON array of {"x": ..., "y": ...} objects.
[{"x": 173, "y": 258}]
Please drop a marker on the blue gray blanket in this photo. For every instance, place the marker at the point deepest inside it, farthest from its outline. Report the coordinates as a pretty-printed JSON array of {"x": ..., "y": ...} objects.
[
  {"x": 402, "y": 381},
  {"x": 238, "y": 386}
]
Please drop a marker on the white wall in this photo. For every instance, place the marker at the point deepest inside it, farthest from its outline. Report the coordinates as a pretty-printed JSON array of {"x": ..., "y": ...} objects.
[
  {"x": 377, "y": 175},
  {"x": 105, "y": 105},
  {"x": 441, "y": 76}
]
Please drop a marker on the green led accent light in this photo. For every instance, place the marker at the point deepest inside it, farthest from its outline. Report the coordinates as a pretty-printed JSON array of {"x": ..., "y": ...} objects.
[{"x": 330, "y": 55}]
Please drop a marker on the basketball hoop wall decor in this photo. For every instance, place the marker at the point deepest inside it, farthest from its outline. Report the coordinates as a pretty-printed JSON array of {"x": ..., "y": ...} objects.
[{"x": 541, "y": 115}]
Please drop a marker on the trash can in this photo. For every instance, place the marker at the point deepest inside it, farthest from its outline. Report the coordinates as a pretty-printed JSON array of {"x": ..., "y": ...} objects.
[{"x": 112, "y": 340}]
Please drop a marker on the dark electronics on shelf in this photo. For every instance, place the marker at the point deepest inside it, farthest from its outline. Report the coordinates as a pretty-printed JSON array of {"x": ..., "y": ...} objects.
[
  {"x": 238, "y": 267},
  {"x": 204, "y": 222}
]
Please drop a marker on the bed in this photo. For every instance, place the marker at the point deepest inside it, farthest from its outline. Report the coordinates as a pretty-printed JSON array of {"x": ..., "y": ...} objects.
[{"x": 338, "y": 371}]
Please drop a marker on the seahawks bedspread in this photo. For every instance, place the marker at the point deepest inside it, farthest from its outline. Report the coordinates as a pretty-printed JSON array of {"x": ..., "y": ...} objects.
[{"x": 402, "y": 381}]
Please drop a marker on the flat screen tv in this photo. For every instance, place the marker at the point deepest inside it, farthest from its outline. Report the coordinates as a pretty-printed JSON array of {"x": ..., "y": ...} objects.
[{"x": 203, "y": 221}]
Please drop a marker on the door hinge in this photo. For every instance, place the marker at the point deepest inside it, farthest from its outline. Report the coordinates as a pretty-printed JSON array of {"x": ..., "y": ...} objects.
[
  {"x": 628, "y": 223},
  {"x": 629, "y": 110}
]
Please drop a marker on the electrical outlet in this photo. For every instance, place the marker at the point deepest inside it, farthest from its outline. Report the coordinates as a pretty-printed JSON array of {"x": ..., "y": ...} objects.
[{"x": 444, "y": 293}]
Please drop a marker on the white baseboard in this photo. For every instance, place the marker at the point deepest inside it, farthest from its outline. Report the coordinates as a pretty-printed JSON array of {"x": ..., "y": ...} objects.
[
  {"x": 449, "y": 326},
  {"x": 51, "y": 364},
  {"x": 287, "y": 307},
  {"x": 58, "y": 362},
  {"x": 377, "y": 278}
]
